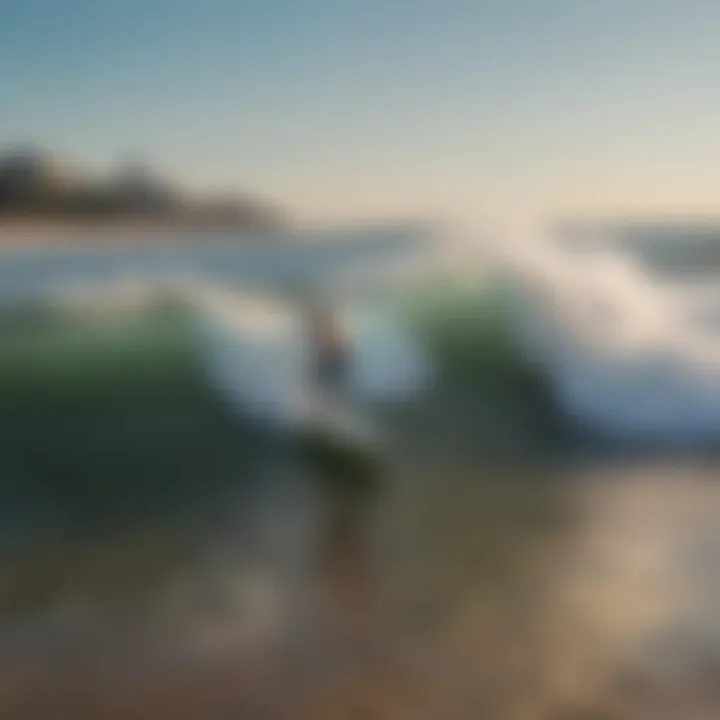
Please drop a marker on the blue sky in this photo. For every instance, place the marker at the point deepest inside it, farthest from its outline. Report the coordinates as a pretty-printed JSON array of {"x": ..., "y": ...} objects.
[{"x": 350, "y": 108}]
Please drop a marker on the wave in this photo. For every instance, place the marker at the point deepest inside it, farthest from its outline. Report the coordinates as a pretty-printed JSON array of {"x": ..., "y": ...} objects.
[
  {"x": 591, "y": 339},
  {"x": 256, "y": 354},
  {"x": 630, "y": 352}
]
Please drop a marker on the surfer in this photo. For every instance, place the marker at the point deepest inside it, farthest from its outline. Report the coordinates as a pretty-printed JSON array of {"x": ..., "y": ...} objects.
[
  {"x": 330, "y": 348},
  {"x": 335, "y": 411}
]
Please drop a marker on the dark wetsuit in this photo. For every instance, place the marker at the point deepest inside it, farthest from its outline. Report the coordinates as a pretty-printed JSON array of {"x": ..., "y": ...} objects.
[
  {"x": 332, "y": 365},
  {"x": 332, "y": 355}
]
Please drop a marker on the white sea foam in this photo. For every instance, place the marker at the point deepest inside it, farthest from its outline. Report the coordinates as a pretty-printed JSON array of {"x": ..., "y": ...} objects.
[
  {"x": 629, "y": 351},
  {"x": 257, "y": 355}
]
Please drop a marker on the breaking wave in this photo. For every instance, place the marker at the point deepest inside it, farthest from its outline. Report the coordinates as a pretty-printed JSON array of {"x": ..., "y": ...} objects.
[{"x": 605, "y": 341}]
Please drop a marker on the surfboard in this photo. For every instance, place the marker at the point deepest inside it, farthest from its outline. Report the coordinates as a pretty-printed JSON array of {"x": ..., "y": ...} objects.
[{"x": 342, "y": 420}]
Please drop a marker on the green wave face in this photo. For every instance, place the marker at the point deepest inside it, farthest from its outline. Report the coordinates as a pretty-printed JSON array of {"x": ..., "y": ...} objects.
[{"x": 116, "y": 394}]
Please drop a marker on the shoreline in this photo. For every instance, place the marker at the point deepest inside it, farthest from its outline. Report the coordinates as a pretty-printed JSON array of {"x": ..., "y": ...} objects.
[{"x": 26, "y": 234}]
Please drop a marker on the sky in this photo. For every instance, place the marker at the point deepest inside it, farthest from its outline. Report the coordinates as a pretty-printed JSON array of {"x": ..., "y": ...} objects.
[{"x": 346, "y": 109}]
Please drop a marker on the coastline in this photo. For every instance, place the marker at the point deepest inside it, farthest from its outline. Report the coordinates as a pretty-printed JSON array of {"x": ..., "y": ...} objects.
[{"x": 38, "y": 232}]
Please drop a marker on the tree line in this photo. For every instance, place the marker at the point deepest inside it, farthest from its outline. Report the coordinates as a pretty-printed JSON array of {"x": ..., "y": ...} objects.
[{"x": 34, "y": 185}]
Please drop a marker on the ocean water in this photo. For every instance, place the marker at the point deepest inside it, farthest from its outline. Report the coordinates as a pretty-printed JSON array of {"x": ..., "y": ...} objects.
[
  {"x": 626, "y": 330},
  {"x": 167, "y": 556}
]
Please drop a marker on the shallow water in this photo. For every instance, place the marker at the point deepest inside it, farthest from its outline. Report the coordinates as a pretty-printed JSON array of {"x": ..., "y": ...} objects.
[{"x": 163, "y": 559}]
